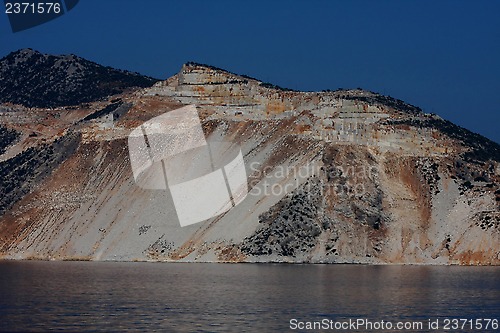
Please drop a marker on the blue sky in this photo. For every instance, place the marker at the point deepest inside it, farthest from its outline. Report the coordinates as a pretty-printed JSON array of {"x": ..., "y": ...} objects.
[{"x": 440, "y": 55}]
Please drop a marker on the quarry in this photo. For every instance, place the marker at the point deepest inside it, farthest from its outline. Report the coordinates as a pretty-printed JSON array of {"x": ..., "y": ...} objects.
[{"x": 392, "y": 184}]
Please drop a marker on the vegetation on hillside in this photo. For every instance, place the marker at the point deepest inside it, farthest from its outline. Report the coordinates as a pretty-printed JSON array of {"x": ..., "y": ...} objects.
[{"x": 33, "y": 79}]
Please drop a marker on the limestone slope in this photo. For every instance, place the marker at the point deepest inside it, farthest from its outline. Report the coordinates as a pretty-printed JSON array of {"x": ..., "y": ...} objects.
[{"x": 344, "y": 176}]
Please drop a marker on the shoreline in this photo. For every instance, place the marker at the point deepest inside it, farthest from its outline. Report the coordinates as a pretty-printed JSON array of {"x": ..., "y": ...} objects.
[{"x": 9, "y": 260}]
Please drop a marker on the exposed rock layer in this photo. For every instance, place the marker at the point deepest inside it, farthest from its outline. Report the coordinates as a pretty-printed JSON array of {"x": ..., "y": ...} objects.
[{"x": 344, "y": 176}]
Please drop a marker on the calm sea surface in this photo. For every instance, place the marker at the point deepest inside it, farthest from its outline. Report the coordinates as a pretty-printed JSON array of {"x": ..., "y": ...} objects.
[{"x": 89, "y": 296}]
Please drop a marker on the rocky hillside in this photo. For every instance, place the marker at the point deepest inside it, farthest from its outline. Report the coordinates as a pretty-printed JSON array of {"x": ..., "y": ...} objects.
[
  {"x": 33, "y": 79},
  {"x": 348, "y": 176}
]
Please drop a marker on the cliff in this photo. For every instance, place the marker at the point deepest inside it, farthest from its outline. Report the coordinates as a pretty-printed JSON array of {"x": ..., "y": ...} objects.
[{"x": 348, "y": 176}]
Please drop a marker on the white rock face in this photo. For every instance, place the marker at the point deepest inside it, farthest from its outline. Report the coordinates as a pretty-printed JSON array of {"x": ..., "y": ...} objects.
[
  {"x": 336, "y": 119},
  {"x": 343, "y": 176}
]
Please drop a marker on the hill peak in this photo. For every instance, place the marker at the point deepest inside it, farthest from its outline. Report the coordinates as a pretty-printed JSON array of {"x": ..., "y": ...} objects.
[{"x": 34, "y": 79}]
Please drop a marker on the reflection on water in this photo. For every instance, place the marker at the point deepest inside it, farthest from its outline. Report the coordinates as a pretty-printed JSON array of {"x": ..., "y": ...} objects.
[{"x": 86, "y": 296}]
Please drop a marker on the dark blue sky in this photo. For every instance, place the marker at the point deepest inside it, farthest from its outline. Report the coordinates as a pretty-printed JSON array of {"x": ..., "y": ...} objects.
[{"x": 440, "y": 55}]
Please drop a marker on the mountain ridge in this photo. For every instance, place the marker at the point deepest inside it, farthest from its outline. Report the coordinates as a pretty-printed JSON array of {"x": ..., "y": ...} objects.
[
  {"x": 392, "y": 184},
  {"x": 71, "y": 80}
]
